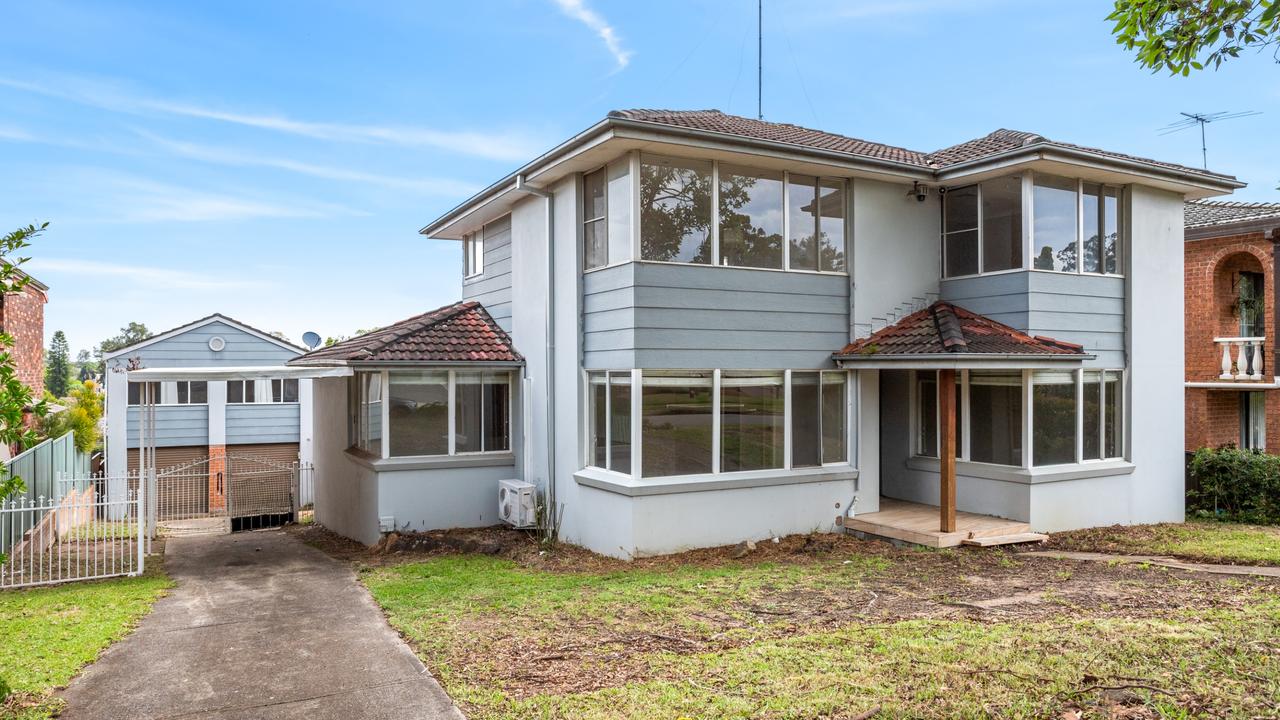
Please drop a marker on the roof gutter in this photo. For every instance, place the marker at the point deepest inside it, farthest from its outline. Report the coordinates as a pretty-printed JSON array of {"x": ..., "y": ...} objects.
[
  {"x": 522, "y": 186},
  {"x": 1046, "y": 151}
]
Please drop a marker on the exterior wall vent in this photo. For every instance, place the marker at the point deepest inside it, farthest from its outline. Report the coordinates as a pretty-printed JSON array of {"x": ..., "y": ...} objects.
[{"x": 216, "y": 344}]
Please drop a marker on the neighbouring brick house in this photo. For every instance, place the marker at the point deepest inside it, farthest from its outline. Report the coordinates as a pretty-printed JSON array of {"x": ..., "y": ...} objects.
[
  {"x": 22, "y": 316},
  {"x": 1231, "y": 386}
]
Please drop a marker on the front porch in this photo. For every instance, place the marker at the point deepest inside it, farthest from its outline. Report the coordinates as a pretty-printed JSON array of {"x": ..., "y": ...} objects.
[{"x": 917, "y": 523}]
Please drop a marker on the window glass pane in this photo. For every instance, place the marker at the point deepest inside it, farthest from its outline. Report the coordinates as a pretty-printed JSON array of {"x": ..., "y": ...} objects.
[
  {"x": 750, "y": 218},
  {"x": 806, "y": 420},
  {"x": 372, "y": 412},
  {"x": 250, "y": 390},
  {"x": 995, "y": 417},
  {"x": 675, "y": 210},
  {"x": 962, "y": 253},
  {"x": 291, "y": 390},
  {"x": 597, "y": 432},
  {"x": 1054, "y": 210},
  {"x": 834, "y": 432},
  {"x": 620, "y": 407},
  {"x": 927, "y": 414},
  {"x": 198, "y": 392},
  {"x": 802, "y": 211},
  {"x": 496, "y": 411},
  {"x": 468, "y": 255},
  {"x": 419, "y": 412},
  {"x": 960, "y": 209},
  {"x": 1092, "y": 415},
  {"x": 184, "y": 397},
  {"x": 752, "y": 420},
  {"x": 676, "y": 423},
  {"x": 1053, "y": 397},
  {"x": 468, "y": 413},
  {"x": 831, "y": 225},
  {"x": 1111, "y": 230},
  {"x": 595, "y": 245},
  {"x": 1113, "y": 415},
  {"x": 235, "y": 391},
  {"x": 1092, "y": 229},
  {"x": 1002, "y": 224},
  {"x": 619, "y": 211},
  {"x": 595, "y": 240}
]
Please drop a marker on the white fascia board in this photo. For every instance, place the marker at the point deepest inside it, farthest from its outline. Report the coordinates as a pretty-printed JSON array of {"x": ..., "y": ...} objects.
[
  {"x": 199, "y": 324},
  {"x": 259, "y": 372},
  {"x": 969, "y": 362}
]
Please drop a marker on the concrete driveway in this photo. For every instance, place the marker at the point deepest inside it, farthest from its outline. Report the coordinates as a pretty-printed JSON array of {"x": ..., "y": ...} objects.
[{"x": 259, "y": 626}]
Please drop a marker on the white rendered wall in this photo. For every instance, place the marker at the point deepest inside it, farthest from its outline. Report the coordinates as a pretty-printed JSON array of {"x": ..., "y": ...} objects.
[
  {"x": 895, "y": 249},
  {"x": 306, "y": 421},
  {"x": 1154, "y": 266},
  {"x": 457, "y": 497},
  {"x": 346, "y": 494}
]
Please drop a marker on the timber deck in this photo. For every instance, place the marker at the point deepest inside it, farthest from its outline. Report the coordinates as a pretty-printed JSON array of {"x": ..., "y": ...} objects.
[{"x": 918, "y": 524}]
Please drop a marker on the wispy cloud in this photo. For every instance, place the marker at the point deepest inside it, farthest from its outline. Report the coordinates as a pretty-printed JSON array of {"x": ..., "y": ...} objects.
[
  {"x": 15, "y": 134},
  {"x": 578, "y": 10},
  {"x": 236, "y": 158},
  {"x": 494, "y": 145},
  {"x": 149, "y": 278}
]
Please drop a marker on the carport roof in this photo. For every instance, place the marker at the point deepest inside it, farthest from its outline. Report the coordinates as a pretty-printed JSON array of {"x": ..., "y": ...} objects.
[{"x": 460, "y": 333}]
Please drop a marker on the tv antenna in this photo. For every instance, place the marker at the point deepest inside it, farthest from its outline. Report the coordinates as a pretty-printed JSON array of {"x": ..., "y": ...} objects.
[
  {"x": 759, "y": 59},
  {"x": 1190, "y": 120}
]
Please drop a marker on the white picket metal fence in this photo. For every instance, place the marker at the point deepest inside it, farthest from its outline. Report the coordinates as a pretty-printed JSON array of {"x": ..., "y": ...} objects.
[{"x": 80, "y": 535}]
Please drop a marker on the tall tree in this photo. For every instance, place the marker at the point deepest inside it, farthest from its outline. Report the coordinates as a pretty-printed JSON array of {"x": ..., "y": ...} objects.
[
  {"x": 84, "y": 365},
  {"x": 1186, "y": 35},
  {"x": 129, "y": 334},
  {"x": 57, "y": 372},
  {"x": 15, "y": 397}
]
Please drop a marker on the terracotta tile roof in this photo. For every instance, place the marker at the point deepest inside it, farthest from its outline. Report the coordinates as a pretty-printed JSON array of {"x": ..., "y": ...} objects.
[
  {"x": 1207, "y": 213},
  {"x": 945, "y": 329},
  {"x": 462, "y": 332},
  {"x": 993, "y": 144}
]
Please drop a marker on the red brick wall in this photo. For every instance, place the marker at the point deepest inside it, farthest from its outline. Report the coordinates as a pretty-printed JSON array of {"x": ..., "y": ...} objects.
[
  {"x": 1213, "y": 415},
  {"x": 22, "y": 316}
]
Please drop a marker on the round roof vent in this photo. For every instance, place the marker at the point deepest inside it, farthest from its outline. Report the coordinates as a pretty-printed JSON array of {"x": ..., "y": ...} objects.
[{"x": 216, "y": 344}]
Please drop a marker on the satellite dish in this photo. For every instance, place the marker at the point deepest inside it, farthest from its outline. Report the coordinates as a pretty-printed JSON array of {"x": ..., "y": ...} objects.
[{"x": 310, "y": 339}]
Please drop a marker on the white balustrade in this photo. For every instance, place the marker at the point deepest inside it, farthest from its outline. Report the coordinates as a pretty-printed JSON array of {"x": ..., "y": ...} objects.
[{"x": 1242, "y": 357}]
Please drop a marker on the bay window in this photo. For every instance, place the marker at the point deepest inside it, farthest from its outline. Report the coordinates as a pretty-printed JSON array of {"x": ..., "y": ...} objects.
[
  {"x": 1073, "y": 415},
  {"x": 431, "y": 412},
  {"x": 675, "y": 210},
  {"x": 982, "y": 227},
  {"x": 1055, "y": 227},
  {"x": 696, "y": 422},
  {"x": 606, "y": 215},
  {"x": 960, "y": 231}
]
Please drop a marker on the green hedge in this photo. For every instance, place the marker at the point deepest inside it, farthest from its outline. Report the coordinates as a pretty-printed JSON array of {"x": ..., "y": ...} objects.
[{"x": 1232, "y": 484}]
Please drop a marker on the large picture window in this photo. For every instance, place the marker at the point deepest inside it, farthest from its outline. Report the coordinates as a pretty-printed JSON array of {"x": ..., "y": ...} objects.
[
  {"x": 1056, "y": 227},
  {"x": 995, "y": 417},
  {"x": 1054, "y": 413},
  {"x": 682, "y": 421},
  {"x": 431, "y": 412},
  {"x": 982, "y": 227}
]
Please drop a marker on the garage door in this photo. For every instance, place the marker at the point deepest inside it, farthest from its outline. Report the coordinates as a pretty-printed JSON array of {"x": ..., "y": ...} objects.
[
  {"x": 285, "y": 453},
  {"x": 167, "y": 457}
]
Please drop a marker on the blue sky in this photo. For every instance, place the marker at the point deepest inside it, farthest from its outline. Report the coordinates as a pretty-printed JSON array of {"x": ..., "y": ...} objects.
[{"x": 273, "y": 161}]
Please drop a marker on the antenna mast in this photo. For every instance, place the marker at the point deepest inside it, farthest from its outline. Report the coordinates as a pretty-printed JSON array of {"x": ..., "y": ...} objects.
[
  {"x": 1192, "y": 119},
  {"x": 759, "y": 59}
]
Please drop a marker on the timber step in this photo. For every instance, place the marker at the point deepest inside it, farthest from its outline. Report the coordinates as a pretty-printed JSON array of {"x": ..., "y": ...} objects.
[{"x": 1014, "y": 539}]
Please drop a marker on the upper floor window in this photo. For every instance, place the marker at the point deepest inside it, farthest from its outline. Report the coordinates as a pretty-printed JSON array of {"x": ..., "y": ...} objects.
[
  {"x": 192, "y": 392},
  {"x": 712, "y": 213},
  {"x": 144, "y": 392},
  {"x": 240, "y": 391},
  {"x": 1074, "y": 226},
  {"x": 982, "y": 227},
  {"x": 284, "y": 390},
  {"x": 472, "y": 254}
]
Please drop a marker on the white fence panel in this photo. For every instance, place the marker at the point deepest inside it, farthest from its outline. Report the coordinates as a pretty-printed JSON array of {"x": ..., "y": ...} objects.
[{"x": 80, "y": 535}]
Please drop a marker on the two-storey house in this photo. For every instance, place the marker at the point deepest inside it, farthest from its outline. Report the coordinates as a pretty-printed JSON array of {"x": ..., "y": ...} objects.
[
  {"x": 691, "y": 329},
  {"x": 1231, "y": 382}
]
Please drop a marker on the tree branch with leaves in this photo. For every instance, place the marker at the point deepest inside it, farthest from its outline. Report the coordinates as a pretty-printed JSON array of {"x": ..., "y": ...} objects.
[
  {"x": 16, "y": 399},
  {"x": 1185, "y": 35}
]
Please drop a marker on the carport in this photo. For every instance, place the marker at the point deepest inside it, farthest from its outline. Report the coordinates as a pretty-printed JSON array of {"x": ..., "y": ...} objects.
[{"x": 227, "y": 490}]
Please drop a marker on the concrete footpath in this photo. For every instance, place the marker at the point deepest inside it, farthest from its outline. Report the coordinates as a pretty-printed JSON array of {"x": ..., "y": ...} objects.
[{"x": 259, "y": 626}]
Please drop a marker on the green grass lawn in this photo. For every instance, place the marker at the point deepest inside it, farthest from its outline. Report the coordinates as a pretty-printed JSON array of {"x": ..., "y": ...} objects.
[
  {"x": 48, "y": 634},
  {"x": 835, "y": 634},
  {"x": 1203, "y": 541}
]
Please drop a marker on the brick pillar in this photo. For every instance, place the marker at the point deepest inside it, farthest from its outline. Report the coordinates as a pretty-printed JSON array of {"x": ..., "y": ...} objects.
[{"x": 217, "y": 478}]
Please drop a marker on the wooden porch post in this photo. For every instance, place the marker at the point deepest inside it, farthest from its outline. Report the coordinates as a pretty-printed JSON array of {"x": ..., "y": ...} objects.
[{"x": 947, "y": 448}]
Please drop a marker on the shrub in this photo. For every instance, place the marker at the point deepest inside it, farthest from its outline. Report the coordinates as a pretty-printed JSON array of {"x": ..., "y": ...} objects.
[{"x": 1228, "y": 483}]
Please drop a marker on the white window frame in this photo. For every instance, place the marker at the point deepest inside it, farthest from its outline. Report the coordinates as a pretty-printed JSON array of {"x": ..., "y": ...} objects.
[
  {"x": 473, "y": 254},
  {"x": 242, "y": 401},
  {"x": 637, "y": 436},
  {"x": 453, "y": 400},
  {"x": 845, "y": 184},
  {"x": 177, "y": 395},
  {"x": 964, "y": 419},
  {"x": 282, "y": 401},
  {"x": 603, "y": 219}
]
